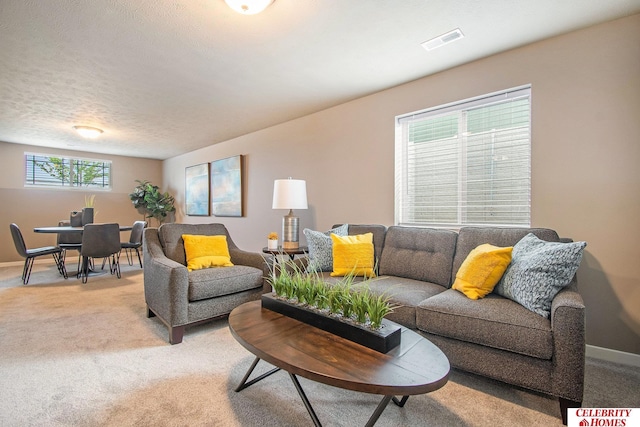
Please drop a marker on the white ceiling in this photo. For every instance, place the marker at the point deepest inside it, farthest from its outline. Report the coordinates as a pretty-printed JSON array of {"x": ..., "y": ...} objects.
[{"x": 165, "y": 77}]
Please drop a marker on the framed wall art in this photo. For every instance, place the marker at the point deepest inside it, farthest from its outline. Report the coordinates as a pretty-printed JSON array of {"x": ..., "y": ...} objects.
[
  {"x": 226, "y": 187},
  {"x": 196, "y": 190}
]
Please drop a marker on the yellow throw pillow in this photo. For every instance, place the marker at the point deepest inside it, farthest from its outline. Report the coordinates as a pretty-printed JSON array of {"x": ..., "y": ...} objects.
[
  {"x": 482, "y": 270},
  {"x": 353, "y": 255},
  {"x": 206, "y": 251}
]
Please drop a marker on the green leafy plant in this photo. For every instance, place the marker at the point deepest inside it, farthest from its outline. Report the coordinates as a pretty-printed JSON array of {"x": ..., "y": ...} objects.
[{"x": 151, "y": 202}]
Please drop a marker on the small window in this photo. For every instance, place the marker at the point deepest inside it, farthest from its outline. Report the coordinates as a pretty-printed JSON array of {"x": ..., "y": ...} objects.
[
  {"x": 42, "y": 170},
  {"x": 466, "y": 163}
]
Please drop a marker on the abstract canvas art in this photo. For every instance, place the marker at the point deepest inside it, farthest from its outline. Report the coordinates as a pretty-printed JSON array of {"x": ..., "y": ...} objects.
[
  {"x": 226, "y": 187},
  {"x": 197, "y": 190}
]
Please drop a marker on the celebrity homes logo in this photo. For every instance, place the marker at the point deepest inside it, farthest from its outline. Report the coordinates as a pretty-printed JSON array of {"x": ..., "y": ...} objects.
[{"x": 603, "y": 417}]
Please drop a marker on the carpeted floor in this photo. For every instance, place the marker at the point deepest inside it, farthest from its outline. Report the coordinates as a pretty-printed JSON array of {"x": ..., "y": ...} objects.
[{"x": 86, "y": 355}]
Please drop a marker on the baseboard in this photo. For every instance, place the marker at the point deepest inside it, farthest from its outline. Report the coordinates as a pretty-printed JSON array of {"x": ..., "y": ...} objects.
[{"x": 614, "y": 356}]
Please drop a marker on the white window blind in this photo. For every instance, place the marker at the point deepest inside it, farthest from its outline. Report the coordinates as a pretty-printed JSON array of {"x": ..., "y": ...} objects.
[
  {"x": 43, "y": 170},
  {"x": 466, "y": 163}
]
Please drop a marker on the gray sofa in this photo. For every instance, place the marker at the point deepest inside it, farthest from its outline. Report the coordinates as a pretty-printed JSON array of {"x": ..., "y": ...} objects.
[
  {"x": 181, "y": 298},
  {"x": 492, "y": 336}
]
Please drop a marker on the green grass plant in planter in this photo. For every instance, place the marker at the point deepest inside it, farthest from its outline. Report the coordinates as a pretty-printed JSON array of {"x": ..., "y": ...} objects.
[
  {"x": 361, "y": 306},
  {"x": 379, "y": 307}
]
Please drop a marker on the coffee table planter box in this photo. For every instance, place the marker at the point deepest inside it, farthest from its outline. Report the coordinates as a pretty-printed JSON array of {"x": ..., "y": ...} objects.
[{"x": 382, "y": 340}]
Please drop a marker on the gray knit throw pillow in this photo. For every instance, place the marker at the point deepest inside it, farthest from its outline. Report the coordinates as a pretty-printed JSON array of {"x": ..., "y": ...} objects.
[
  {"x": 321, "y": 248},
  {"x": 538, "y": 271}
]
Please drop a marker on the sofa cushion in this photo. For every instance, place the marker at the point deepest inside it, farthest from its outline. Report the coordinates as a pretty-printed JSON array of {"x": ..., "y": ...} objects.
[
  {"x": 493, "y": 321},
  {"x": 538, "y": 271},
  {"x": 404, "y": 293},
  {"x": 353, "y": 255},
  {"x": 215, "y": 282},
  {"x": 320, "y": 247},
  {"x": 206, "y": 251},
  {"x": 482, "y": 270},
  {"x": 418, "y": 253},
  {"x": 471, "y": 237}
]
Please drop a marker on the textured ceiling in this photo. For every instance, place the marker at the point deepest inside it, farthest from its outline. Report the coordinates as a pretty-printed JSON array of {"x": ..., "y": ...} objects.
[{"x": 165, "y": 77}]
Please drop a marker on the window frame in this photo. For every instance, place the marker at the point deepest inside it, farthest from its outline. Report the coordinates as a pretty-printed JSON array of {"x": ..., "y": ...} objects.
[
  {"x": 66, "y": 184},
  {"x": 405, "y": 208}
]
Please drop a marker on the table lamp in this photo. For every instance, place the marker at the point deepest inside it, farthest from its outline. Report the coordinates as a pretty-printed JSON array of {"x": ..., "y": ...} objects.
[{"x": 290, "y": 194}]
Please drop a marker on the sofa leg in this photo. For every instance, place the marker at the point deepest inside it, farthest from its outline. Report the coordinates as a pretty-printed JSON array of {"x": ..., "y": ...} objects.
[
  {"x": 150, "y": 313},
  {"x": 565, "y": 404},
  {"x": 175, "y": 334}
]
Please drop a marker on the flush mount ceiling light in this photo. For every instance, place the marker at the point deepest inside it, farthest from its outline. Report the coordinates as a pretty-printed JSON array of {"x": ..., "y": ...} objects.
[
  {"x": 449, "y": 37},
  {"x": 248, "y": 7},
  {"x": 88, "y": 131}
]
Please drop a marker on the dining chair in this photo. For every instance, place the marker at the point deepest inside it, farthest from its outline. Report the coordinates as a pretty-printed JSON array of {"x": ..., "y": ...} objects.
[
  {"x": 69, "y": 242},
  {"x": 31, "y": 254},
  {"x": 100, "y": 241},
  {"x": 135, "y": 242}
]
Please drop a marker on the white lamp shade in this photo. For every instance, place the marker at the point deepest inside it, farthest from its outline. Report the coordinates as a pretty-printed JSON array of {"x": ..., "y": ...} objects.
[
  {"x": 289, "y": 194},
  {"x": 248, "y": 7}
]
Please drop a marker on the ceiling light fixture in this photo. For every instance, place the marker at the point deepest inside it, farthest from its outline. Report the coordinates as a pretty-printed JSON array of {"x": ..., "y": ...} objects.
[
  {"x": 449, "y": 37},
  {"x": 88, "y": 131},
  {"x": 248, "y": 7}
]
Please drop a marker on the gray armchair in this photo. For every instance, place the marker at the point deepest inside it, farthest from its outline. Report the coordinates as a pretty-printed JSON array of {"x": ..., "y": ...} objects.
[{"x": 180, "y": 298}]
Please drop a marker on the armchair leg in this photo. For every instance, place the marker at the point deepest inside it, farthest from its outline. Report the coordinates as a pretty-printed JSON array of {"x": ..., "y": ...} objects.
[
  {"x": 565, "y": 404},
  {"x": 175, "y": 334}
]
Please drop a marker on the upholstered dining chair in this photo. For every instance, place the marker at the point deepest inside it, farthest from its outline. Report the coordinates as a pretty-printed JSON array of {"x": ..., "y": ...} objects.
[
  {"x": 30, "y": 255},
  {"x": 100, "y": 241},
  {"x": 135, "y": 242},
  {"x": 69, "y": 242}
]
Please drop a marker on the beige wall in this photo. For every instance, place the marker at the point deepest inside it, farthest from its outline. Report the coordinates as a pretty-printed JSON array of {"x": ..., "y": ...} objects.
[
  {"x": 31, "y": 207},
  {"x": 585, "y": 155}
]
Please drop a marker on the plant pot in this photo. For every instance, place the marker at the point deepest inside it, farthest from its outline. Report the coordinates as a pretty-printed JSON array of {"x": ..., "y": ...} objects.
[
  {"x": 87, "y": 216},
  {"x": 272, "y": 245},
  {"x": 382, "y": 340}
]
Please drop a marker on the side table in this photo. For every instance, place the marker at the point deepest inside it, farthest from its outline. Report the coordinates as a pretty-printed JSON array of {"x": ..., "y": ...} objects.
[{"x": 301, "y": 250}]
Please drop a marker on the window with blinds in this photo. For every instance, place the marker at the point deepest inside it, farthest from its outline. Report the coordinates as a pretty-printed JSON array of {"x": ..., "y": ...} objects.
[
  {"x": 466, "y": 163},
  {"x": 43, "y": 170}
]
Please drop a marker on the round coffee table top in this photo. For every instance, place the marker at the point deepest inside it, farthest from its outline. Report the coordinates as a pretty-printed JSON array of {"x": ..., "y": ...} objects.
[{"x": 416, "y": 366}]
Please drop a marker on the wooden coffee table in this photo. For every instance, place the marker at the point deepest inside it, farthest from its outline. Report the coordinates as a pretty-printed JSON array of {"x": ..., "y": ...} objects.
[{"x": 416, "y": 366}]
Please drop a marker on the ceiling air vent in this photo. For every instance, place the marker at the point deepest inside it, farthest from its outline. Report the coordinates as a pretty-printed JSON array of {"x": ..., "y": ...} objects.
[{"x": 449, "y": 37}]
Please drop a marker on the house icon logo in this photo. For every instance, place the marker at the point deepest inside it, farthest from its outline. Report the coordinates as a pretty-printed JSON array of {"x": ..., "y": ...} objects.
[{"x": 584, "y": 422}]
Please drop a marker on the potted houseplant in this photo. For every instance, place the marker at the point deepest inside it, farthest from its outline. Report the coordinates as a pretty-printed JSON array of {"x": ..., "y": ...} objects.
[
  {"x": 151, "y": 202},
  {"x": 88, "y": 212},
  {"x": 272, "y": 241}
]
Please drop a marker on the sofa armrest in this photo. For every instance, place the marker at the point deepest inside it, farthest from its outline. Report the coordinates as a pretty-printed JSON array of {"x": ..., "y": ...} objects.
[
  {"x": 568, "y": 327},
  {"x": 166, "y": 282}
]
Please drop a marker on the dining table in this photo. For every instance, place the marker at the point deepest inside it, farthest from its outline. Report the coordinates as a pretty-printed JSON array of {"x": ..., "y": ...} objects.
[{"x": 68, "y": 229}]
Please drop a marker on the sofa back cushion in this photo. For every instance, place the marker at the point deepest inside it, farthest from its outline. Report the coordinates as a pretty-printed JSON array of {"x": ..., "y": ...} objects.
[
  {"x": 171, "y": 237},
  {"x": 418, "y": 253},
  {"x": 470, "y": 238}
]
